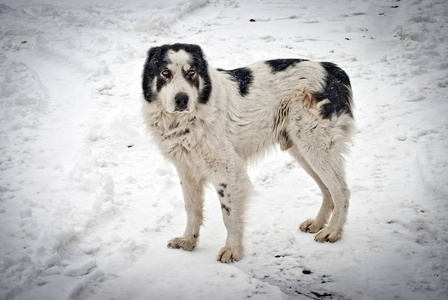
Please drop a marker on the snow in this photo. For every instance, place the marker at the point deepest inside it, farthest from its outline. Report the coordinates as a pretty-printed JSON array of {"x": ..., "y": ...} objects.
[{"x": 87, "y": 203}]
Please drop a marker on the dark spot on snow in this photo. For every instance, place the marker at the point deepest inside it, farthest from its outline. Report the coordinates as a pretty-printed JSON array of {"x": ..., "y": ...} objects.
[
  {"x": 318, "y": 295},
  {"x": 307, "y": 272},
  {"x": 252, "y": 20},
  {"x": 282, "y": 255}
]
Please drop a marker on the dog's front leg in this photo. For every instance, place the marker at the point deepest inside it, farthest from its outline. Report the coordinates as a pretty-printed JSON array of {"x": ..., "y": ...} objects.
[
  {"x": 233, "y": 191},
  {"x": 193, "y": 191}
]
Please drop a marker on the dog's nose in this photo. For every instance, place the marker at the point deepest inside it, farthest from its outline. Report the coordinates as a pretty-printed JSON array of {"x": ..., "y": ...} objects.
[{"x": 181, "y": 101}]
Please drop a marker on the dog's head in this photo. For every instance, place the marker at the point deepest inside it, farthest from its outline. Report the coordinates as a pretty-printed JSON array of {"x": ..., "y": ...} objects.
[{"x": 177, "y": 75}]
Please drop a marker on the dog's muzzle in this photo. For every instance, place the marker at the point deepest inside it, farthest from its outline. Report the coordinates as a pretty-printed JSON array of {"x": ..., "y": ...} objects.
[{"x": 181, "y": 102}]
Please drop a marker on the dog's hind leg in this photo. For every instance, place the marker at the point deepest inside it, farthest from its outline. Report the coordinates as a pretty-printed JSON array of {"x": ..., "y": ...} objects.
[
  {"x": 330, "y": 170},
  {"x": 193, "y": 191},
  {"x": 327, "y": 206},
  {"x": 341, "y": 196},
  {"x": 329, "y": 166},
  {"x": 322, "y": 143}
]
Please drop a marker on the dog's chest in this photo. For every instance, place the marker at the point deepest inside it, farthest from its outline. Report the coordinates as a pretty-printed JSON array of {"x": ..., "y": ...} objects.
[{"x": 178, "y": 140}]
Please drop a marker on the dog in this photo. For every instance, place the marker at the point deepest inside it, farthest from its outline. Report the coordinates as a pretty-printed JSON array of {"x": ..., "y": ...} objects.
[{"x": 210, "y": 123}]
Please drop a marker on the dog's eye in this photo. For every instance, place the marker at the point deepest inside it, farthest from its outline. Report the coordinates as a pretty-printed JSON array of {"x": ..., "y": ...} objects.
[
  {"x": 191, "y": 74},
  {"x": 166, "y": 73}
]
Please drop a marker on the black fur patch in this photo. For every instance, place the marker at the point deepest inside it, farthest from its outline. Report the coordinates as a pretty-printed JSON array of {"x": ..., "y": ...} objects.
[
  {"x": 221, "y": 193},
  {"x": 244, "y": 78},
  {"x": 227, "y": 209},
  {"x": 157, "y": 60},
  {"x": 279, "y": 65},
  {"x": 160, "y": 83},
  {"x": 150, "y": 71},
  {"x": 337, "y": 91},
  {"x": 194, "y": 82}
]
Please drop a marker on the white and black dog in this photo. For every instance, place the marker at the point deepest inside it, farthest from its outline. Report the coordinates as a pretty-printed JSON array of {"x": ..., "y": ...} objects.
[{"x": 211, "y": 122}]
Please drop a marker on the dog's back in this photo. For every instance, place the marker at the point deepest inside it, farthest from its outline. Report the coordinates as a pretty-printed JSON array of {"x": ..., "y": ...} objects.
[{"x": 266, "y": 95}]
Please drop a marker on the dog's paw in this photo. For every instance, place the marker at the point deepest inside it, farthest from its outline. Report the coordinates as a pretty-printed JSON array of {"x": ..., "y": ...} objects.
[
  {"x": 182, "y": 243},
  {"x": 328, "y": 234},
  {"x": 311, "y": 226},
  {"x": 230, "y": 254}
]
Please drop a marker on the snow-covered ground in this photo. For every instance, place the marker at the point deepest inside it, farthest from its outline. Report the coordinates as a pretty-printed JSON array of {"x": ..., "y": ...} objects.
[{"x": 87, "y": 203}]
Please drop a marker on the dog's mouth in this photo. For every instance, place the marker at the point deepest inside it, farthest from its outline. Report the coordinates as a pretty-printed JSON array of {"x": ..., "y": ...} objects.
[{"x": 181, "y": 110}]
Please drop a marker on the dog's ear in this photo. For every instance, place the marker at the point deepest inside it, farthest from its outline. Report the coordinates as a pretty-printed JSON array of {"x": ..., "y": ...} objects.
[
  {"x": 198, "y": 56},
  {"x": 202, "y": 67},
  {"x": 151, "y": 53},
  {"x": 197, "y": 52},
  {"x": 148, "y": 73}
]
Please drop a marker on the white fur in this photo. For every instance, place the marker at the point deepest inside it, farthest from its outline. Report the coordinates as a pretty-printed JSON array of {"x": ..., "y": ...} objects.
[
  {"x": 179, "y": 65},
  {"x": 213, "y": 142}
]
